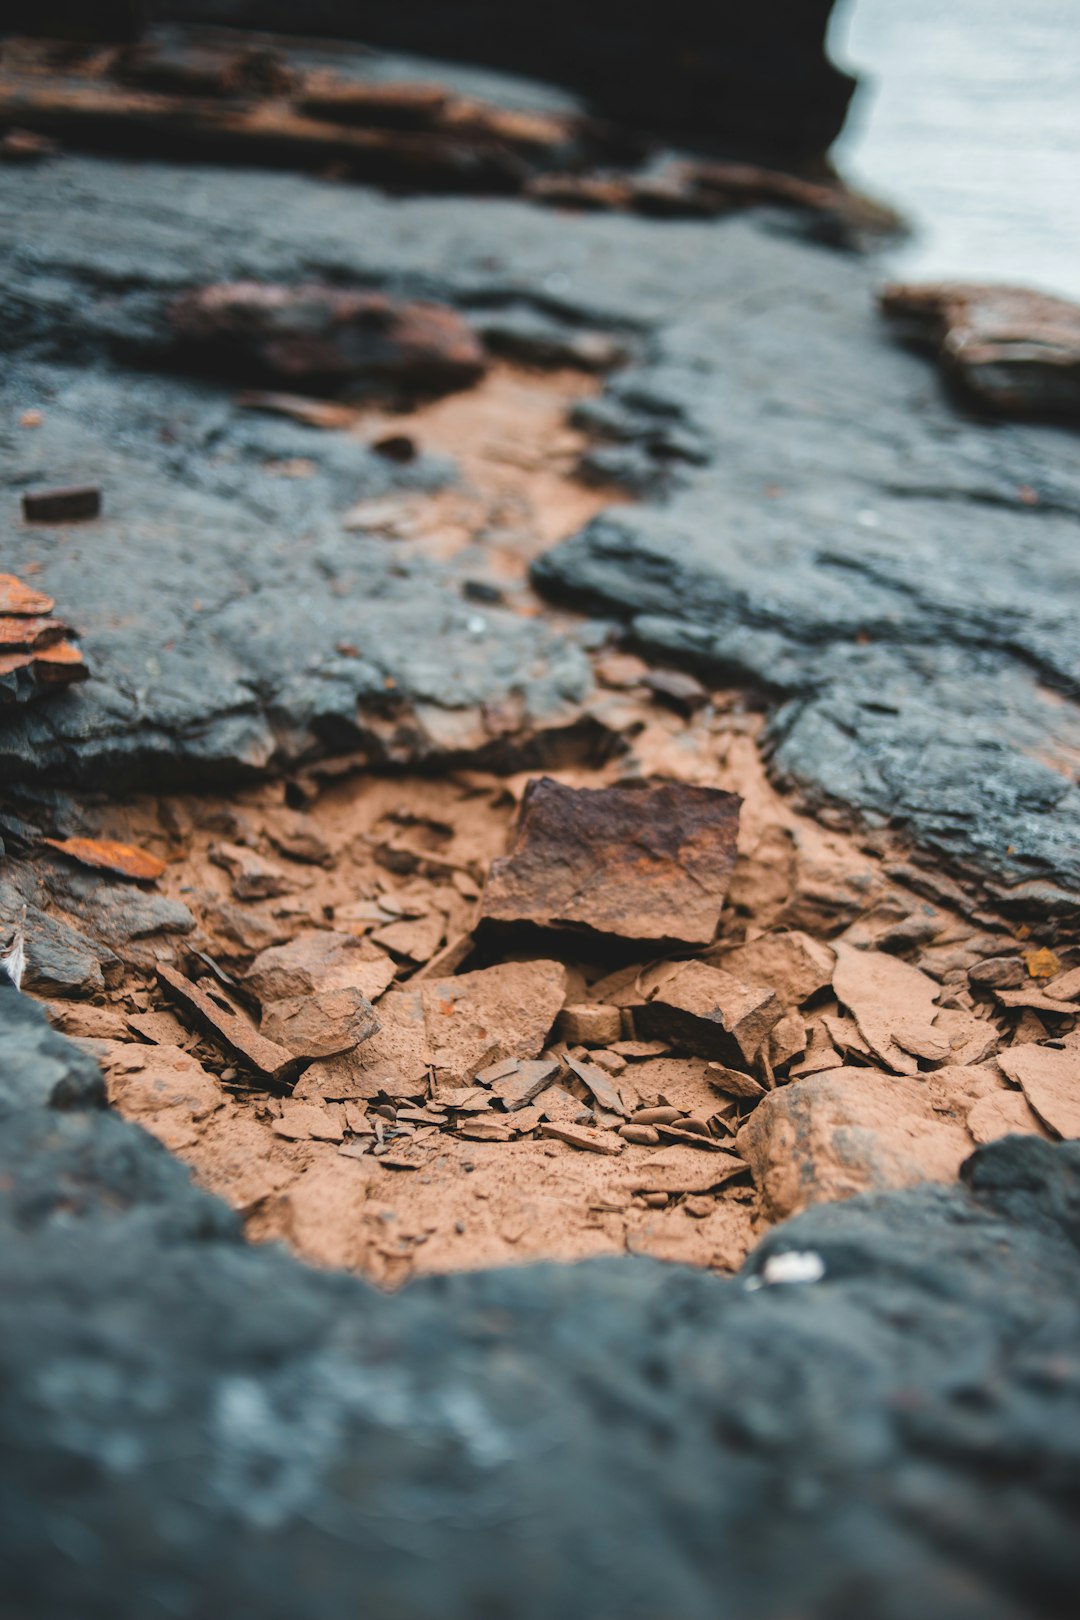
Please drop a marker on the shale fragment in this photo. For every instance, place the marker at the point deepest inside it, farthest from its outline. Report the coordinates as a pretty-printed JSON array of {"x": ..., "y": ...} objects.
[{"x": 638, "y": 861}]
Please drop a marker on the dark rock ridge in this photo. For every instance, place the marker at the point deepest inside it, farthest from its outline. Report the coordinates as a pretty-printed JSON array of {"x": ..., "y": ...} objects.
[
  {"x": 753, "y": 78},
  {"x": 818, "y": 517},
  {"x": 191, "y": 1426}
]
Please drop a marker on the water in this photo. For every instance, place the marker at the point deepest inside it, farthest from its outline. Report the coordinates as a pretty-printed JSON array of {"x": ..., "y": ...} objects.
[{"x": 968, "y": 121}]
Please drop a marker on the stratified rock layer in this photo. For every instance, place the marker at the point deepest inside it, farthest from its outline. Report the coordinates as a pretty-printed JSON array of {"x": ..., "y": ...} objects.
[{"x": 189, "y": 1424}]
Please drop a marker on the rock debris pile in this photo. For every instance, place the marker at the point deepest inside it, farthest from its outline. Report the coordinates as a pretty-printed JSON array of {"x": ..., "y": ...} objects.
[
  {"x": 37, "y": 652},
  {"x": 401, "y": 1051}
]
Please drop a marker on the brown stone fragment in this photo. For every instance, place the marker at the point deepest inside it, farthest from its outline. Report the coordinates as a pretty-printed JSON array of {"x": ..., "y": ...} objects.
[
  {"x": 793, "y": 964},
  {"x": 315, "y": 332},
  {"x": 1017, "y": 350},
  {"x": 1050, "y": 1078},
  {"x": 642, "y": 1135},
  {"x": 708, "y": 1011},
  {"x": 733, "y": 1083},
  {"x": 1037, "y": 1000},
  {"x": 635, "y": 1051},
  {"x": 317, "y": 961},
  {"x": 679, "y": 1169},
  {"x": 253, "y": 876},
  {"x": 1065, "y": 987},
  {"x": 643, "y": 860},
  {"x": 413, "y": 939},
  {"x": 1001, "y": 1113},
  {"x": 235, "y": 1034},
  {"x": 124, "y": 860},
  {"x": 603, "y": 1088},
  {"x": 580, "y": 1136},
  {"x": 303, "y": 1121},
  {"x": 589, "y": 1024},
  {"x": 888, "y": 999},
  {"x": 656, "y": 1116},
  {"x": 320, "y": 1025},
  {"x": 849, "y": 1131},
  {"x": 787, "y": 1040},
  {"x": 526, "y": 1081},
  {"x": 70, "y": 504},
  {"x": 503, "y": 1011},
  {"x": 21, "y": 633}
]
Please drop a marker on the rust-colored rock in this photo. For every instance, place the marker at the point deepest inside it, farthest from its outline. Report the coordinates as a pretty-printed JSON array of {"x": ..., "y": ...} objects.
[
  {"x": 705, "y": 1010},
  {"x": 640, "y": 861},
  {"x": 19, "y": 598},
  {"x": 315, "y": 333},
  {"x": 104, "y": 854},
  {"x": 1016, "y": 350},
  {"x": 844, "y": 1132}
]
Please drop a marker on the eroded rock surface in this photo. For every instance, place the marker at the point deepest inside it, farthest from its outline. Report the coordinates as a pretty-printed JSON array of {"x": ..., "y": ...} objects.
[{"x": 158, "y": 1372}]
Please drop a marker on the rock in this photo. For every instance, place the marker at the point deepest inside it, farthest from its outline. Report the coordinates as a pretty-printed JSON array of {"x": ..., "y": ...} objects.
[
  {"x": 1015, "y": 350},
  {"x": 1050, "y": 1079},
  {"x": 321, "y": 1024},
  {"x": 893, "y": 1005},
  {"x": 123, "y": 860},
  {"x": 704, "y": 1010},
  {"x": 639, "y": 861},
  {"x": 165, "y": 1089},
  {"x": 498, "y": 1012},
  {"x": 589, "y": 1024},
  {"x": 253, "y": 876},
  {"x": 843, "y": 1132},
  {"x": 72, "y": 504},
  {"x": 793, "y": 964},
  {"x": 580, "y": 1136},
  {"x": 224, "y": 1025},
  {"x": 1001, "y": 1113},
  {"x": 522, "y": 1082},
  {"x": 112, "y": 1258},
  {"x": 316, "y": 334},
  {"x": 59, "y": 959},
  {"x": 722, "y": 76},
  {"x": 317, "y": 961}
]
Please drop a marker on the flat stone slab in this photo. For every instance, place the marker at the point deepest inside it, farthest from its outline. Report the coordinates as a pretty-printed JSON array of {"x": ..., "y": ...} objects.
[{"x": 637, "y": 861}]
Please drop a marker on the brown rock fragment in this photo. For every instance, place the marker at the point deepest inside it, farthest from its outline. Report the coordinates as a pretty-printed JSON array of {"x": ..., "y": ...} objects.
[
  {"x": 225, "y": 1026},
  {"x": 888, "y": 999},
  {"x": 848, "y": 1131},
  {"x": 640, "y": 860},
  {"x": 317, "y": 961},
  {"x": 316, "y": 332},
  {"x": 793, "y": 964},
  {"x": 589, "y": 1024},
  {"x": 1001, "y": 1113},
  {"x": 526, "y": 1081},
  {"x": 124, "y": 860},
  {"x": 1016, "y": 350},
  {"x": 603, "y": 1088},
  {"x": 320, "y": 1025},
  {"x": 1050, "y": 1078},
  {"x": 580, "y": 1136},
  {"x": 707, "y": 1011},
  {"x": 71, "y": 504},
  {"x": 253, "y": 876},
  {"x": 497, "y": 1012}
]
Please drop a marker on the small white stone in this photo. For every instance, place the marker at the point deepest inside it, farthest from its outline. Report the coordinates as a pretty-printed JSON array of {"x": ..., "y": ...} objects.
[{"x": 793, "y": 1266}]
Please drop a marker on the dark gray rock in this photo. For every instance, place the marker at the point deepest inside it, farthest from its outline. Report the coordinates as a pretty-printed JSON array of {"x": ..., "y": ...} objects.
[
  {"x": 193, "y": 1427},
  {"x": 821, "y": 519}
]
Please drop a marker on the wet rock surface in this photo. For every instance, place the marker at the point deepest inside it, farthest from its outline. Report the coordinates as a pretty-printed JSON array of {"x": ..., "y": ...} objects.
[{"x": 904, "y": 1427}]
